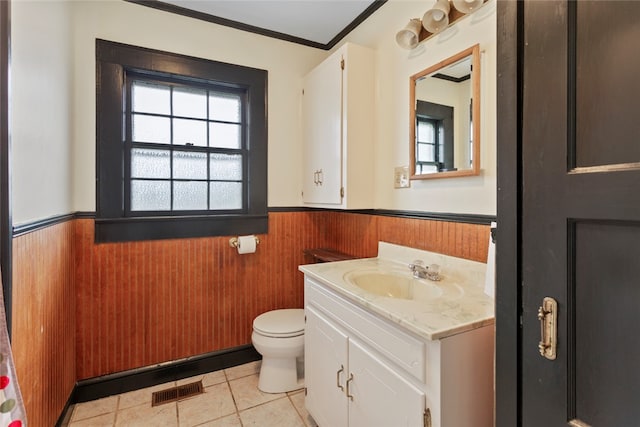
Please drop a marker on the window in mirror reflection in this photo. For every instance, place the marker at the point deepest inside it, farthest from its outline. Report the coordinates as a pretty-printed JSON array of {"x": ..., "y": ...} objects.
[{"x": 434, "y": 138}]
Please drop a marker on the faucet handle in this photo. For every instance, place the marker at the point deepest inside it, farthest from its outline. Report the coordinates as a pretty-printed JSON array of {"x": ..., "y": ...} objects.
[{"x": 415, "y": 263}]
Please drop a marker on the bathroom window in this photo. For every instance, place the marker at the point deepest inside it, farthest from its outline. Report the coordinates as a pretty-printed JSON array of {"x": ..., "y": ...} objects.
[
  {"x": 429, "y": 145},
  {"x": 177, "y": 155},
  {"x": 185, "y": 147}
]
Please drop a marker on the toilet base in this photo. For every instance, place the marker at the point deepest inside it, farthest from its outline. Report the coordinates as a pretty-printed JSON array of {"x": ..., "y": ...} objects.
[{"x": 279, "y": 375}]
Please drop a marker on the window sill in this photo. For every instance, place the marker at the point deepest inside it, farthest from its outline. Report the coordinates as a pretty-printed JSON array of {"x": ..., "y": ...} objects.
[{"x": 177, "y": 227}]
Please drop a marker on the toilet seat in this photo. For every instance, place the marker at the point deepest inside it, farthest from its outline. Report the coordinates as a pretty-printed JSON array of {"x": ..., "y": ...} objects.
[{"x": 284, "y": 323}]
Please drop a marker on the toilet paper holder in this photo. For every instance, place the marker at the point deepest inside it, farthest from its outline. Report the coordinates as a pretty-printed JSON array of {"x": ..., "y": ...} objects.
[{"x": 233, "y": 242}]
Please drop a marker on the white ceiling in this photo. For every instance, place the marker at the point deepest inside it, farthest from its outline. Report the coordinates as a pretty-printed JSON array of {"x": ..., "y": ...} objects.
[{"x": 317, "y": 21}]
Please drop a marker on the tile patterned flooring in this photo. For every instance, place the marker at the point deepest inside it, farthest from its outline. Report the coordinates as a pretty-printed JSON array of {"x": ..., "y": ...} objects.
[{"x": 231, "y": 399}]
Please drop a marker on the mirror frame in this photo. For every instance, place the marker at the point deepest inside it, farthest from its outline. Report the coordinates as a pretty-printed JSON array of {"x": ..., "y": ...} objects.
[{"x": 474, "y": 52}]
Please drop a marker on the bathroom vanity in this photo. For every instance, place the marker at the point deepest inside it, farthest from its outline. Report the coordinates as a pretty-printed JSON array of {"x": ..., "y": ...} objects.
[{"x": 383, "y": 348}]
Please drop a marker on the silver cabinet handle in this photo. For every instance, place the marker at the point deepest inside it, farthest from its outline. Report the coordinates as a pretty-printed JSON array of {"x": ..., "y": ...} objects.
[
  {"x": 348, "y": 392},
  {"x": 320, "y": 177},
  {"x": 341, "y": 370}
]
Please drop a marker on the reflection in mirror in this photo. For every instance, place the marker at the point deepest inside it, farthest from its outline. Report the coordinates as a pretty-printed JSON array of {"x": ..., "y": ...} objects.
[{"x": 445, "y": 113}]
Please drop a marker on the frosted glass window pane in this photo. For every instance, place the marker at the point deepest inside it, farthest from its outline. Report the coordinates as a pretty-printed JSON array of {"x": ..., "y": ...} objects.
[
  {"x": 426, "y": 132},
  {"x": 224, "y": 107},
  {"x": 189, "y": 196},
  {"x": 189, "y": 132},
  {"x": 426, "y": 153},
  {"x": 151, "y": 129},
  {"x": 150, "y": 195},
  {"x": 189, "y": 165},
  {"x": 224, "y": 135},
  {"x": 150, "y": 163},
  {"x": 226, "y": 167},
  {"x": 151, "y": 98},
  {"x": 190, "y": 103},
  {"x": 226, "y": 195}
]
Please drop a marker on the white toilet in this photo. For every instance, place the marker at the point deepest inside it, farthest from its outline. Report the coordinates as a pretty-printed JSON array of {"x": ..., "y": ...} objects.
[{"x": 278, "y": 336}]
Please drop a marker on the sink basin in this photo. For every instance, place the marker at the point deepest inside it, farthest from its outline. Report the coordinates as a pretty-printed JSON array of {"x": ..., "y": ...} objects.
[{"x": 394, "y": 285}]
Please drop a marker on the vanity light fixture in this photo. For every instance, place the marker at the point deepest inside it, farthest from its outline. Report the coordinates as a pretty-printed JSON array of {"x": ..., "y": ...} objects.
[
  {"x": 467, "y": 6},
  {"x": 434, "y": 20},
  {"x": 409, "y": 36}
]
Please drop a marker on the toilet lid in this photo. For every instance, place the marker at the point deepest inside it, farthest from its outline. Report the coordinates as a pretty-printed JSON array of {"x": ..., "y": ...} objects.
[{"x": 280, "y": 323}]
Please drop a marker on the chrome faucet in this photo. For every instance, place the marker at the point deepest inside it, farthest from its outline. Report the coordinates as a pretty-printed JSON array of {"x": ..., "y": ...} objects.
[{"x": 431, "y": 272}]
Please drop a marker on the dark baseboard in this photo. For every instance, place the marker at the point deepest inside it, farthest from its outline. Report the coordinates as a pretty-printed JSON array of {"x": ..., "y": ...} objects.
[{"x": 122, "y": 382}]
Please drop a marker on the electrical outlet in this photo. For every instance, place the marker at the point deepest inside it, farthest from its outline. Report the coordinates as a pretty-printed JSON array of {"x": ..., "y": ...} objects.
[{"x": 401, "y": 177}]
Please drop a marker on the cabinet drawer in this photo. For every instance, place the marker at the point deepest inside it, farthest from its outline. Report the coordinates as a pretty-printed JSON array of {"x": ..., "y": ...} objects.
[{"x": 395, "y": 344}]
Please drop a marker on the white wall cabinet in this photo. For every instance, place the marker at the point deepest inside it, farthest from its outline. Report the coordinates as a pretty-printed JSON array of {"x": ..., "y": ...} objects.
[
  {"x": 338, "y": 111},
  {"x": 363, "y": 370}
]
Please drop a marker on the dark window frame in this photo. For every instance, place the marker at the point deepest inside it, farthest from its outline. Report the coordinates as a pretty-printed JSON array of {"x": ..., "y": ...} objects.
[{"x": 113, "y": 62}]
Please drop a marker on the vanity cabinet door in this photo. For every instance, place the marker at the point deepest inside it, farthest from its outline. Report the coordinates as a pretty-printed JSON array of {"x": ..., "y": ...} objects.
[
  {"x": 381, "y": 397},
  {"x": 325, "y": 359}
]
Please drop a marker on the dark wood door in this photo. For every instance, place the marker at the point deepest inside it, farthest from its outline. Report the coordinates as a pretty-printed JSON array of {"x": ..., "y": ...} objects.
[{"x": 581, "y": 211}]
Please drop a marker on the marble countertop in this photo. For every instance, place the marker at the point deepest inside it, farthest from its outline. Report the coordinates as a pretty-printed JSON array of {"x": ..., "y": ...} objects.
[{"x": 460, "y": 306}]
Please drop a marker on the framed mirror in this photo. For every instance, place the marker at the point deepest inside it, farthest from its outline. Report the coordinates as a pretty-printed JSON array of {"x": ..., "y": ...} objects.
[{"x": 444, "y": 135}]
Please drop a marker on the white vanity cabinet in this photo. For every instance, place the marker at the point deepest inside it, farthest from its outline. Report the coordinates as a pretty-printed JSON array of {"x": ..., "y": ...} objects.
[
  {"x": 364, "y": 370},
  {"x": 337, "y": 112},
  {"x": 363, "y": 390}
]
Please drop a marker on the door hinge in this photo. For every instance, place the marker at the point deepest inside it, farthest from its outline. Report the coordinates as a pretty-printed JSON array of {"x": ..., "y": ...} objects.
[
  {"x": 342, "y": 192},
  {"x": 342, "y": 64},
  {"x": 427, "y": 418}
]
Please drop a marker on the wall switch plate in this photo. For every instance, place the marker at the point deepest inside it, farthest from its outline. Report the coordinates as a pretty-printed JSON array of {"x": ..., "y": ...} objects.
[{"x": 401, "y": 177}]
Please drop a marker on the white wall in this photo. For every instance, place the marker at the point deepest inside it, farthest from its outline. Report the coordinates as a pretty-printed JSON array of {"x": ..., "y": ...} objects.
[
  {"x": 125, "y": 22},
  {"x": 53, "y": 71},
  {"x": 394, "y": 66},
  {"x": 41, "y": 84}
]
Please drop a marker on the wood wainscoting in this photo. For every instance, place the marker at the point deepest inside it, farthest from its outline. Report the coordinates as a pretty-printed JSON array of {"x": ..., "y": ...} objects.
[
  {"x": 44, "y": 320},
  {"x": 84, "y": 310},
  {"x": 142, "y": 303},
  {"x": 359, "y": 234}
]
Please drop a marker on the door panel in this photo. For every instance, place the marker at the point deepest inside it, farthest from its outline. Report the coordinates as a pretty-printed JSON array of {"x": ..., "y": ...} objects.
[
  {"x": 325, "y": 353},
  {"x": 380, "y": 396},
  {"x": 322, "y": 132},
  {"x": 581, "y": 211},
  {"x": 607, "y": 344},
  {"x": 607, "y": 61}
]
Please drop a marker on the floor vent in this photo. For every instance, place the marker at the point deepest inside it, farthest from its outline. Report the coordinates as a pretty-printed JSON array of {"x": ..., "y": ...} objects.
[{"x": 174, "y": 394}]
